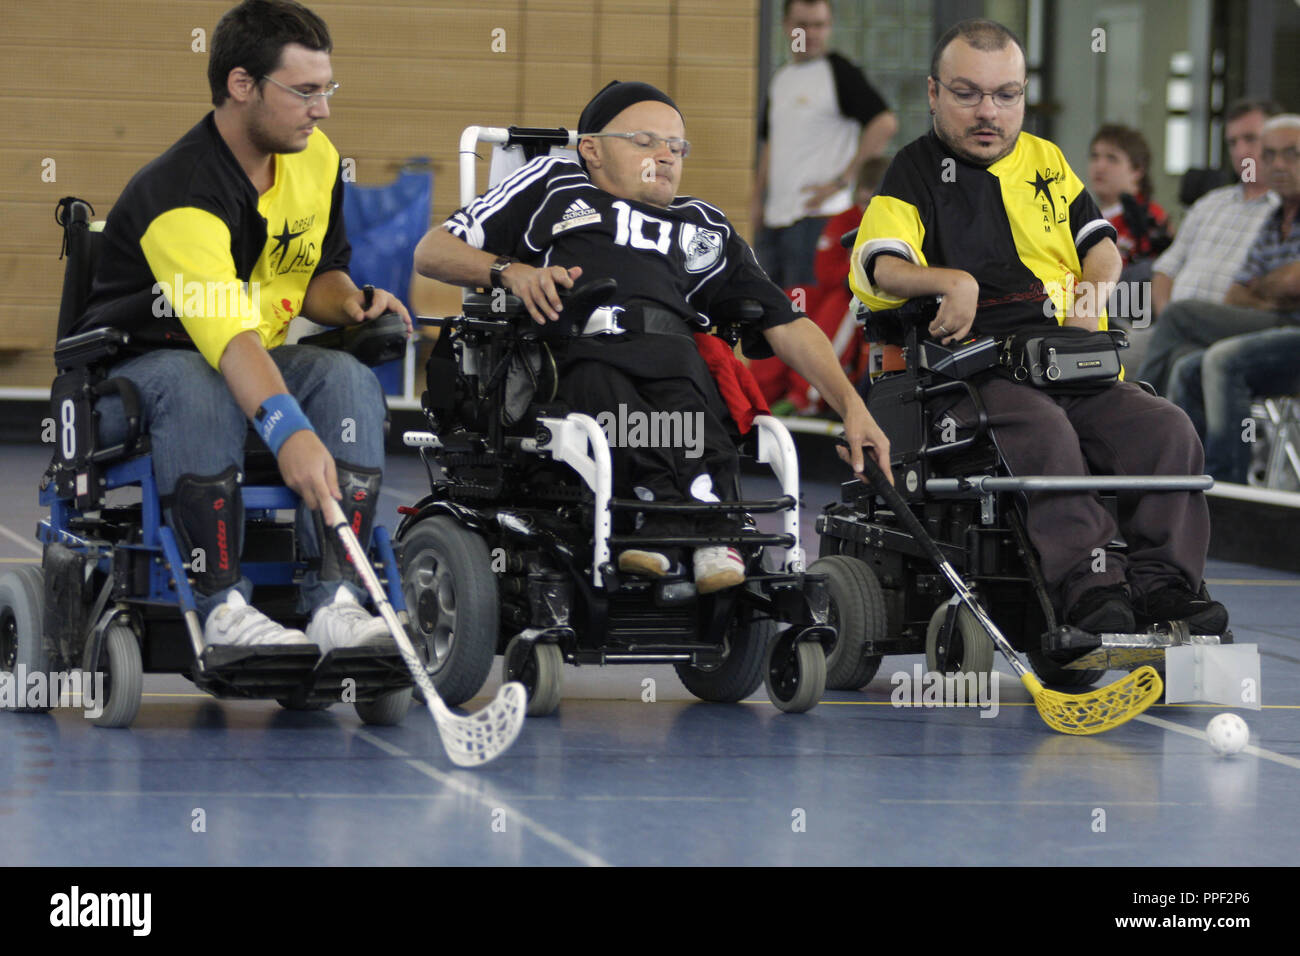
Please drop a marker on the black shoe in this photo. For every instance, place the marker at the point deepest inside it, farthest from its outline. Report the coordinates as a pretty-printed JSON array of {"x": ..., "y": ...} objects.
[
  {"x": 1178, "y": 603},
  {"x": 1103, "y": 610}
]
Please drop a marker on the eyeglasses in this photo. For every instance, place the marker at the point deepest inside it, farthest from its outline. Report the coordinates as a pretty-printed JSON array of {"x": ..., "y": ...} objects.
[
  {"x": 308, "y": 99},
  {"x": 1289, "y": 155},
  {"x": 1004, "y": 98},
  {"x": 647, "y": 140}
]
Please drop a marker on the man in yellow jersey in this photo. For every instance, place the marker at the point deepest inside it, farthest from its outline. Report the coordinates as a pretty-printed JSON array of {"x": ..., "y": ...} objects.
[
  {"x": 994, "y": 220},
  {"x": 208, "y": 254}
]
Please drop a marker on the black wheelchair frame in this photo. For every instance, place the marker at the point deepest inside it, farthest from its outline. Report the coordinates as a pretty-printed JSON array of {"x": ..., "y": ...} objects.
[
  {"x": 509, "y": 554},
  {"x": 886, "y": 595}
]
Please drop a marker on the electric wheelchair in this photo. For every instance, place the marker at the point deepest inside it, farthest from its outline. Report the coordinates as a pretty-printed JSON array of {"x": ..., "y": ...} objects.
[
  {"x": 888, "y": 598},
  {"x": 511, "y": 552},
  {"x": 113, "y": 592}
]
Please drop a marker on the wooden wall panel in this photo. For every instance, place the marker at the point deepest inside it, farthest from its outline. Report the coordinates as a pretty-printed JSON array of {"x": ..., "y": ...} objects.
[{"x": 103, "y": 86}]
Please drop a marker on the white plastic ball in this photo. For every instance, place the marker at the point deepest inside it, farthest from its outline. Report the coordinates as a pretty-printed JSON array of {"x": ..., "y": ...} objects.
[{"x": 1228, "y": 734}]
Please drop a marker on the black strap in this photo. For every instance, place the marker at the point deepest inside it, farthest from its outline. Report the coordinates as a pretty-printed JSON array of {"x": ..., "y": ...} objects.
[{"x": 639, "y": 317}]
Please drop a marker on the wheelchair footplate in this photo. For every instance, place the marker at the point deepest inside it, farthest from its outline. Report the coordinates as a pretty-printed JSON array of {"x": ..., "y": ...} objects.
[
  {"x": 301, "y": 674},
  {"x": 258, "y": 672},
  {"x": 1073, "y": 649},
  {"x": 372, "y": 671}
]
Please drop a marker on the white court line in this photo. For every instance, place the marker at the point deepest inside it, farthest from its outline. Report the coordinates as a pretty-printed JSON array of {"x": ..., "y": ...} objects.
[
  {"x": 16, "y": 537},
  {"x": 561, "y": 843},
  {"x": 1283, "y": 759},
  {"x": 1044, "y": 803}
]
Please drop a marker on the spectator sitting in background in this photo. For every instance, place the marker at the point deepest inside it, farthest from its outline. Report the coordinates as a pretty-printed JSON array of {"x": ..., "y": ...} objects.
[
  {"x": 1211, "y": 244},
  {"x": 829, "y": 304},
  {"x": 1216, "y": 386},
  {"x": 1119, "y": 162}
]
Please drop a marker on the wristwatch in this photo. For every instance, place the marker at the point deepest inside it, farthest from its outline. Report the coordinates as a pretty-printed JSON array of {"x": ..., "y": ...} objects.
[{"x": 498, "y": 267}]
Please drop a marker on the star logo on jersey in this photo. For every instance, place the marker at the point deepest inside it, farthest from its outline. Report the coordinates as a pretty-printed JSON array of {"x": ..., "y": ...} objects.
[
  {"x": 703, "y": 247},
  {"x": 579, "y": 213},
  {"x": 1042, "y": 184},
  {"x": 282, "y": 241}
]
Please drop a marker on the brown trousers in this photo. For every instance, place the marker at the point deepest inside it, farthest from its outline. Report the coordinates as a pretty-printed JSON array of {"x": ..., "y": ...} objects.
[{"x": 1120, "y": 431}]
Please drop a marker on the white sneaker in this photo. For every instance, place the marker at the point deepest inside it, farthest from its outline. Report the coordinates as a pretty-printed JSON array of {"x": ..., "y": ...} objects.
[
  {"x": 345, "y": 623},
  {"x": 237, "y": 623},
  {"x": 652, "y": 564},
  {"x": 718, "y": 567}
]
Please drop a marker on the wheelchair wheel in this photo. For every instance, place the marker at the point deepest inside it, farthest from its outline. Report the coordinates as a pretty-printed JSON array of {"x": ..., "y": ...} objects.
[
  {"x": 539, "y": 667},
  {"x": 386, "y": 710},
  {"x": 741, "y": 671},
  {"x": 795, "y": 674},
  {"x": 299, "y": 702},
  {"x": 970, "y": 651},
  {"x": 857, "y": 613},
  {"x": 22, "y": 593},
  {"x": 451, "y": 596},
  {"x": 123, "y": 673},
  {"x": 1050, "y": 672}
]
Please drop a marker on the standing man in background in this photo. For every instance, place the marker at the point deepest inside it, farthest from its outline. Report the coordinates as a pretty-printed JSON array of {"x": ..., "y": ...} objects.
[{"x": 821, "y": 119}]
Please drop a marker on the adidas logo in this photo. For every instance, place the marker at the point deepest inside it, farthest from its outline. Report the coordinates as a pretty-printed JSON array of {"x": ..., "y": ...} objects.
[{"x": 579, "y": 213}]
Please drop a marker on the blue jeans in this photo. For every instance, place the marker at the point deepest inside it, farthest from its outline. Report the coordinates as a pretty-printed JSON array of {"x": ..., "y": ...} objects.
[
  {"x": 1216, "y": 387},
  {"x": 196, "y": 428},
  {"x": 787, "y": 254},
  {"x": 1189, "y": 325}
]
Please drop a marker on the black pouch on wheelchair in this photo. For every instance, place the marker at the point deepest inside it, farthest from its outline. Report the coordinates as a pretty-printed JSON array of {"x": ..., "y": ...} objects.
[{"x": 1064, "y": 361}]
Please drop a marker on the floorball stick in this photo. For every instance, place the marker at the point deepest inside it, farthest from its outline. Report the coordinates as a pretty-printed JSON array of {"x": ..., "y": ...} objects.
[
  {"x": 470, "y": 741},
  {"x": 1088, "y": 713}
]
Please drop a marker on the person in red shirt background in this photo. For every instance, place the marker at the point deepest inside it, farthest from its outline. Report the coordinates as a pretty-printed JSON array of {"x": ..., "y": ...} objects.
[
  {"x": 827, "y": 304},
  {"x": 1119, "y": 163}
]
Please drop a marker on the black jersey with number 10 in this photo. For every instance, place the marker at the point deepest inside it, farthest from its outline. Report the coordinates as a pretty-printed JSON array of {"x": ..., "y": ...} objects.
[{"x": 684, "y": 257}]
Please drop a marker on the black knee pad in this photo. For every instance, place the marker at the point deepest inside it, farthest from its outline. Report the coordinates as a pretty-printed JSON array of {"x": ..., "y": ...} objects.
[
  {"x": 360, "y": 487},
  {"x": 208, "y": 514}
]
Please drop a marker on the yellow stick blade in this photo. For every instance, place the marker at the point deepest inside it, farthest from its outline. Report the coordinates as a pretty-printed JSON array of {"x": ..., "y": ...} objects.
[{"x": 1097, "y": 710}]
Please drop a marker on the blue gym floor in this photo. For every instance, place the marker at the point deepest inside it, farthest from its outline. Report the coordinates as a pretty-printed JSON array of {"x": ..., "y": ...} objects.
[{"x": 615, "y": 780}]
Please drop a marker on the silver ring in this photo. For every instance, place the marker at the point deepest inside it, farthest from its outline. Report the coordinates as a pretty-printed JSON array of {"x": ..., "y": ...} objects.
[{"x": 943, "y": 330}]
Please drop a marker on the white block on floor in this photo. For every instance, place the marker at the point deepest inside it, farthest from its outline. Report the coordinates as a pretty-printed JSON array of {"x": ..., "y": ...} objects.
[{"x": 1213, "y": 673}]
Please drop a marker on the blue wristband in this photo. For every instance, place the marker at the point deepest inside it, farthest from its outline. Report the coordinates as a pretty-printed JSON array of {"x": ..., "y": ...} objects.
[{"x": 279, "y": 417}]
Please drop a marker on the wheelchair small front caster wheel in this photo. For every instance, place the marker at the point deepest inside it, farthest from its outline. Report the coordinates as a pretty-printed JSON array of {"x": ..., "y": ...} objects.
[
  {"x": 538, "y": 668},
  {"x": 386, "y": 710},
  {"x": 298, "y": 701},
  {"x": 969, "y": 649},
  {"x": 795, "y": 674},
  {"x": 119, "y": 662}
]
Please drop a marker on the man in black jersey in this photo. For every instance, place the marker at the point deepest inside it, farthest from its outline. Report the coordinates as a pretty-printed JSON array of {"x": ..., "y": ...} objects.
[
  {"x": 616, "y": 213},
  {"x": 993, "y": 220}
]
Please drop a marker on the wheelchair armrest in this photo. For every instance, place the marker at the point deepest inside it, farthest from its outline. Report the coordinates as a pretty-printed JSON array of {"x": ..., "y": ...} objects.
[
  {"x": 374, "y": 342},
  {"x": 89, "y": 348},
  {"x": 891, "y": 325},
  {"x": 494, "y": 307},
  {"x": 732, "y": 316},
  {"x": 502, "y": 311}
]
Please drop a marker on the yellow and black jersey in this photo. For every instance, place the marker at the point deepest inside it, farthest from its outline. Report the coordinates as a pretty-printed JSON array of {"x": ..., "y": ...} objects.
[
  {"x": 1021, "y": 227},
  {"x": 192, "y": 255}
]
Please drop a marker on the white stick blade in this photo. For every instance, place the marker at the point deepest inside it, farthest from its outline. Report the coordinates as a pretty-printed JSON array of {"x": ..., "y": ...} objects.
[{"x": 486, "y": 734}]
